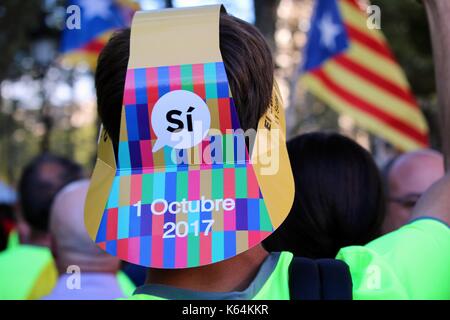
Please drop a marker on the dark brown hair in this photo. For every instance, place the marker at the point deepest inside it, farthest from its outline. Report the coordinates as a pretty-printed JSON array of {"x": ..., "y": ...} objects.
[
  {"x": 248, "y": 63},
  {"x": 339, "y": 197},
  {"x": 41, "y": 180}
]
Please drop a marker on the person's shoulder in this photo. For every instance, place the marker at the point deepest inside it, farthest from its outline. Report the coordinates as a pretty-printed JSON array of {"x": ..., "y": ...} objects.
[
  {"x": 26, "y": 272},
  {"x": 409, "y": 263},
  {"x": 419, "y": 232},
  {"x": 427, "y": 222},
  {"x": 27, "y": 252}
]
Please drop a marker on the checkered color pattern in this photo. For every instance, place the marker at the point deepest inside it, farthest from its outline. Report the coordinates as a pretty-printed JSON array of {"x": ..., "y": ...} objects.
[{"x": 143, "y": 176}]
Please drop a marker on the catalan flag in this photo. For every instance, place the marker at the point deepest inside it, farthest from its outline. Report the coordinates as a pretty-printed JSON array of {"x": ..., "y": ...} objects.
[
  {"x": 351, "y": 68},
  {"x": 98, "y": 19}
]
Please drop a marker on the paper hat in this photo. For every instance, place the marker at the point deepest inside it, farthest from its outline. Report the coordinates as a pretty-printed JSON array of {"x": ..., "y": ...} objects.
[{"x": 185, "y": 192}]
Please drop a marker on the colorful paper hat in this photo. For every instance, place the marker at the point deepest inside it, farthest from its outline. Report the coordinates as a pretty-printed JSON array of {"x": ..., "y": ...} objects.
[{"x": 185, "y": 192}]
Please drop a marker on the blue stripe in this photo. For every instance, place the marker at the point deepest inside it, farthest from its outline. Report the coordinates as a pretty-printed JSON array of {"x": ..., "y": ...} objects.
[
  {"x": 234, "y": 117},
  {"x": 253, "y": 214},
  {"x": 206, "y": 215},
  {"x": 146, "y": 251},
  {"x": 169, "y": 253},
  {"x": 163, "y": 81},
  {"x": 230, "y": 244},
  {"x": 222, "y": 82},
  {"x": 111, "y": 247},
  {"x": 143, "y": 119},
  {"x": 171, "y": 194},
  {"x": 140, "y": 84},
  {"x": 132, "y": 123},
  {"x": 135, "y": 154},
  {"x": 146, "y": 220},
  {"x": 135, "y": 222},
  {"x": 101, "y": 232},
  {"x": 241, "y": 214}
]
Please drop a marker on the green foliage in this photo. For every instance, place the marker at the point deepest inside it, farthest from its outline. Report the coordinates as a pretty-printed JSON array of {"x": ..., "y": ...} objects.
[
  {"x": 22, "y": 24},
  {"x": 405, "y": 25}
]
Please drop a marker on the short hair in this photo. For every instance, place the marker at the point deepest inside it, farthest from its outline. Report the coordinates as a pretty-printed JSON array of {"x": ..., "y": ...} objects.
[
  {"x": 246, "y": 56},
  {"x": 41, "y": 180},
  {"x": 339, "y": 198}
]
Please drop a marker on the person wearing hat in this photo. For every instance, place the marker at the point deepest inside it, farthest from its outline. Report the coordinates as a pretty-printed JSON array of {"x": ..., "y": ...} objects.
[{"x": 142, "y": 185}]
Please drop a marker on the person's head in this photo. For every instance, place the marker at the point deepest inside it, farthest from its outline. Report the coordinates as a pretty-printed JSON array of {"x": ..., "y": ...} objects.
[
  {"x": 339, "y": 197},
  {"x": 248, "y": 63},
  {"x": 41, "y": 179},
  {"x": 407, "y": 177},
  {"x": 71, "y": 244}
]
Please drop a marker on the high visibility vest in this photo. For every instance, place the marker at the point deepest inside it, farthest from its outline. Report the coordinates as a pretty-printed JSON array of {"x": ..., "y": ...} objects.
[
  {"x": 125, "y": 284},
  {"x": 410, "y": 263},
  {"x": 275, "y": 288},
  {"x": 29, "y": 273},
  {"x": 13, "y": 240},
  {"x": 26, "y": 272}
]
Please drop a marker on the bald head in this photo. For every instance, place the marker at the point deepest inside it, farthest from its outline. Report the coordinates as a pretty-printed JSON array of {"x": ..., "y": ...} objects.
[
  {"x": 409, "y": 176},
  {"x": 71, "y": 242}
]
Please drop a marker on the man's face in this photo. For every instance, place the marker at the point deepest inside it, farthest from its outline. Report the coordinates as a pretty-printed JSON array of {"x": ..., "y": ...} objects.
[{"x": 409, "y": 177}]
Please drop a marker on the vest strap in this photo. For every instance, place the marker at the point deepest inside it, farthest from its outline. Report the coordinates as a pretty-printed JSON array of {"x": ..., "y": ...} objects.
[{"x": 323, "y": 279}]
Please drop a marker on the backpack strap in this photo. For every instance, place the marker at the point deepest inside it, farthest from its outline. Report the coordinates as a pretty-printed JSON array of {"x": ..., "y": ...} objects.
[{"x": 323, "y": 279}]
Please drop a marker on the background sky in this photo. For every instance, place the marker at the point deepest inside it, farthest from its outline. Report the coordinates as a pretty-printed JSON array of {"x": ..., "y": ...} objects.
[{"x": 239, "y": 8}]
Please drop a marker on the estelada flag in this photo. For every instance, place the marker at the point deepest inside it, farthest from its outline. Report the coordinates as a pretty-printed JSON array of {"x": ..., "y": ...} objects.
[
  {"x": 351, "y": 68},
  {"x": 97, "y": 21}
]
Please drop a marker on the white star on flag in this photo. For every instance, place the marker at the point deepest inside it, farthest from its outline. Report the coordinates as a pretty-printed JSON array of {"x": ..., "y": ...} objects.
[
  {"x": 328, "y": 31},
  {"x": 96, "y": 8}
]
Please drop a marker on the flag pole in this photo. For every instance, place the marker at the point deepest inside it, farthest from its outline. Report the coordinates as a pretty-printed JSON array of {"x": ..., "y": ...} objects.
[{"x": 439, "y": 21}]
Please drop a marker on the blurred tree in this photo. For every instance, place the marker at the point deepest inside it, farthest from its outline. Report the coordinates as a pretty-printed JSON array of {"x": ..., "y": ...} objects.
[
  {"x": 29, "y": 37},
  {"x": 439, "y": 23},
  {"x": 17, "y": 19},
  {"x": 405, "y": 25},
  {"x": 266, "y": 18},
  {"x": 22, "y": 25}
]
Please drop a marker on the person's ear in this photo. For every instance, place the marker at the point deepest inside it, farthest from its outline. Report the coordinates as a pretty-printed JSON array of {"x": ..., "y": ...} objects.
[{"x": 23, "y": 230}]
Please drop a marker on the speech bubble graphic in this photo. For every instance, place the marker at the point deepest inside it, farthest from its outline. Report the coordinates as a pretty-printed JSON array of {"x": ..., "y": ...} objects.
[{"x": 180, "y": 119}]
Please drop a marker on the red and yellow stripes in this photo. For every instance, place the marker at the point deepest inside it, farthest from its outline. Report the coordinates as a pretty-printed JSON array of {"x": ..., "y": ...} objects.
[
  {"x": 366, "y": 82},
  {"x": 89, "y": 53}
]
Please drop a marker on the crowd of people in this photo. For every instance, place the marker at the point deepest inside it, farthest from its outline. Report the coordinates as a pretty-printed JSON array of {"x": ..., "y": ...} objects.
[{"x": 345, "y": 209}]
